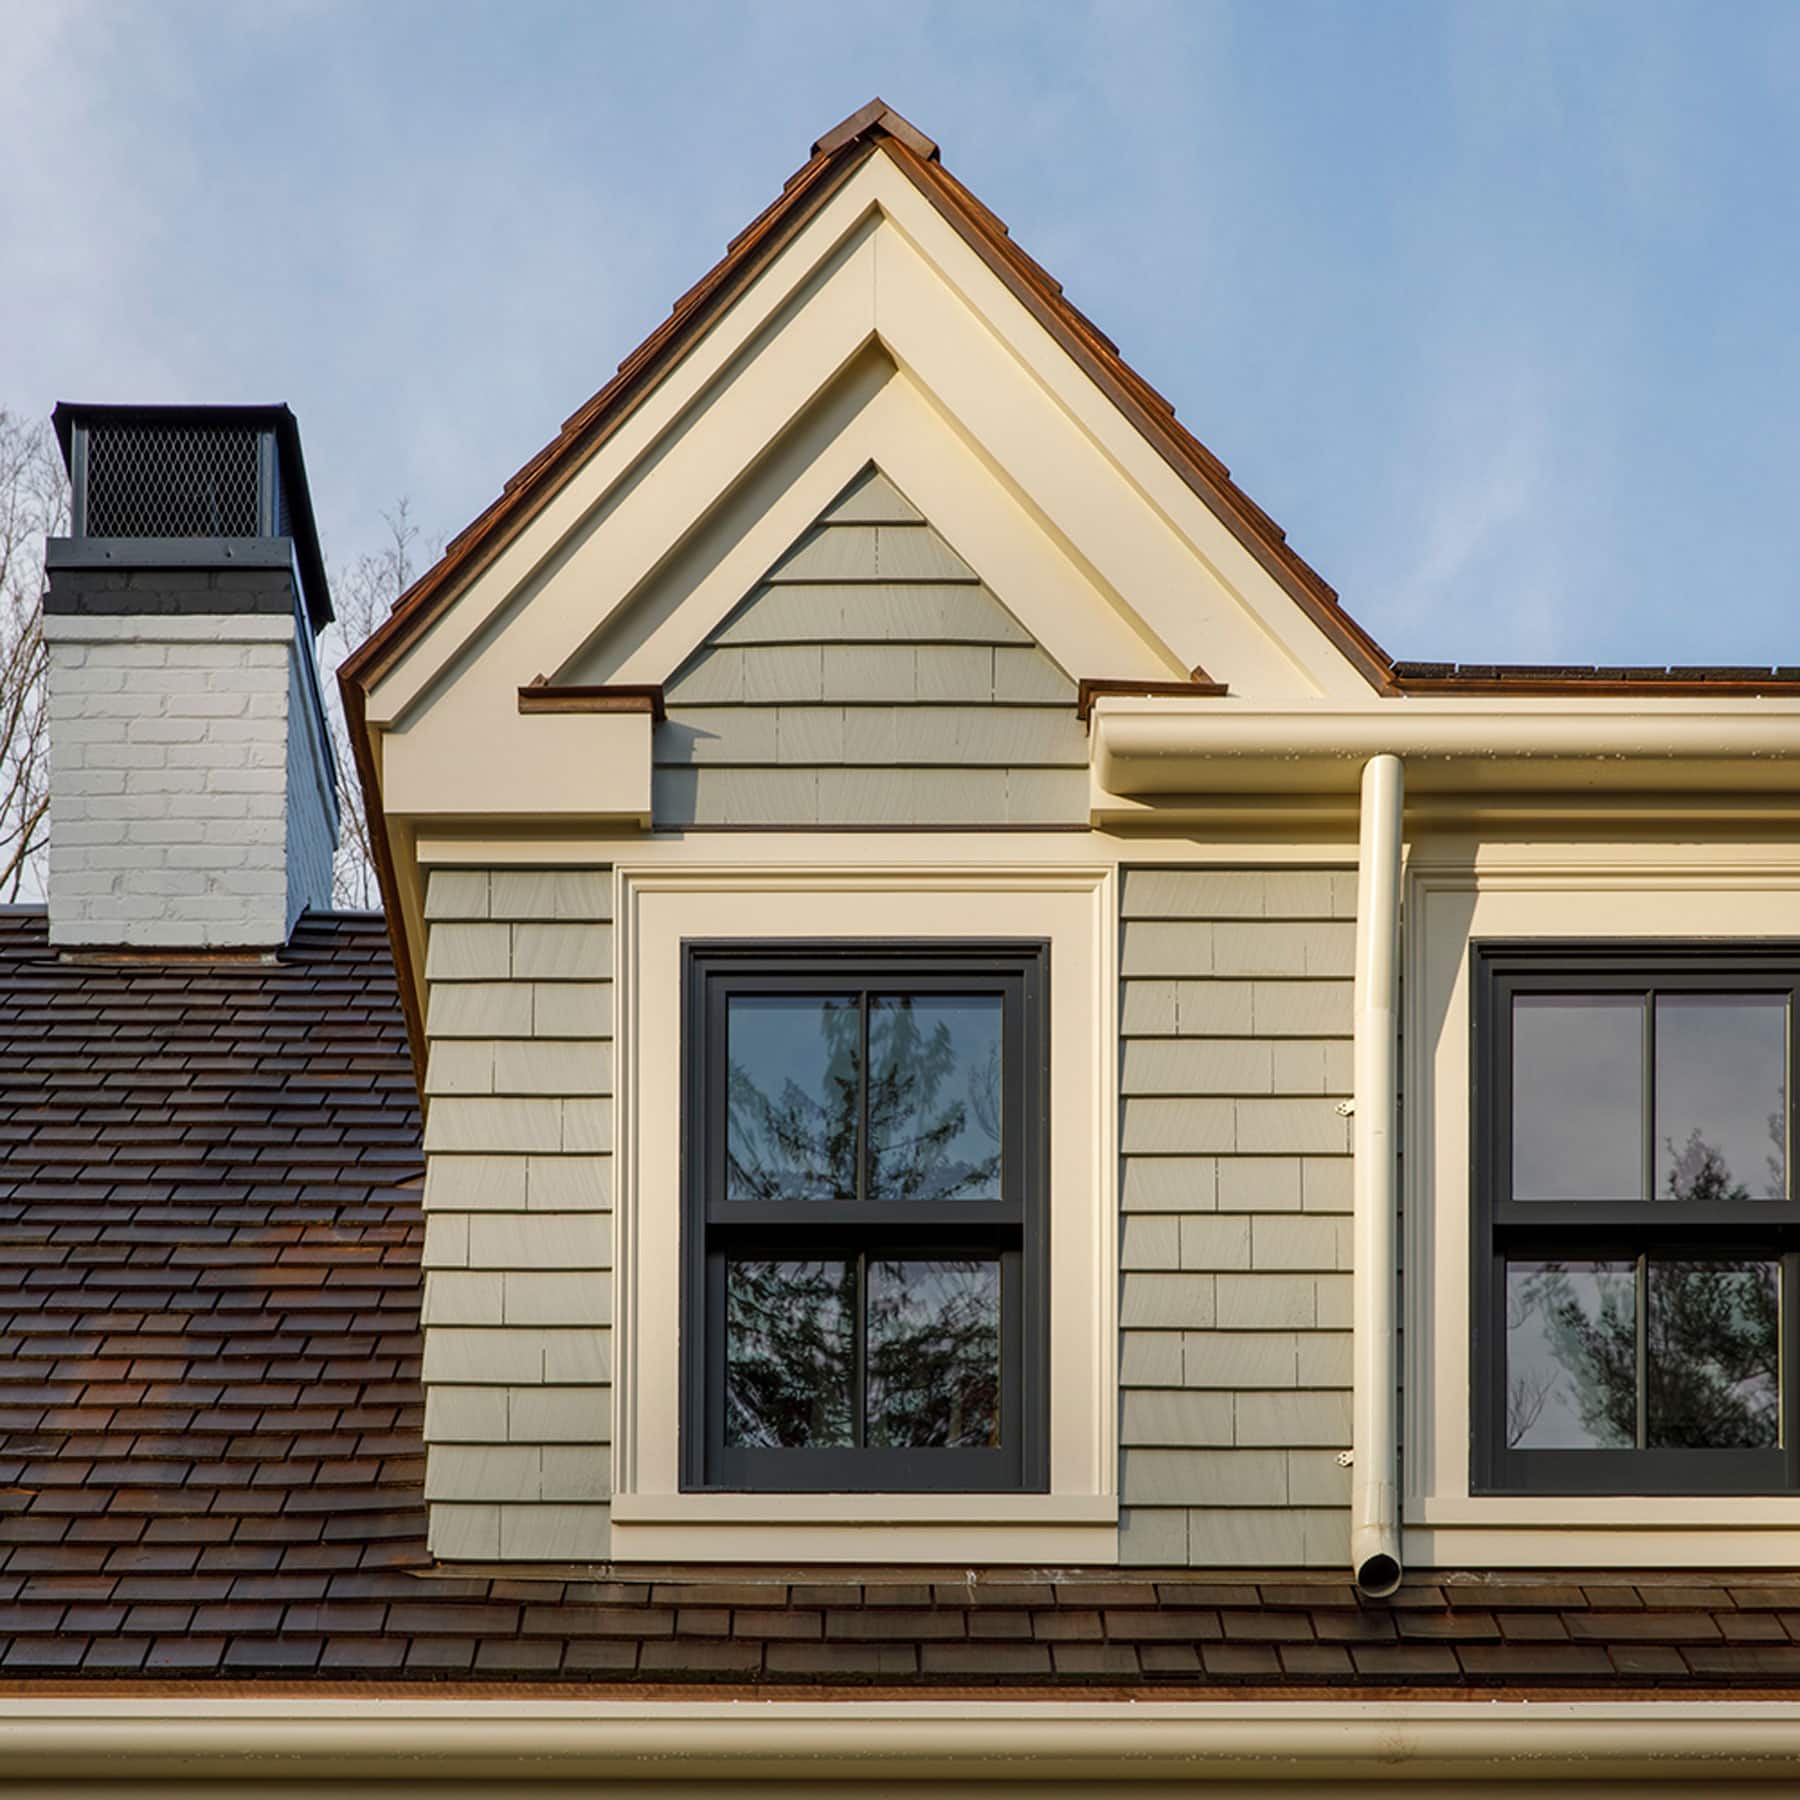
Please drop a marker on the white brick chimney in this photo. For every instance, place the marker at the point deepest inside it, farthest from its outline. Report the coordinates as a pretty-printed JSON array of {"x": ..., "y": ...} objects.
[{"x": 192, "y": 798}]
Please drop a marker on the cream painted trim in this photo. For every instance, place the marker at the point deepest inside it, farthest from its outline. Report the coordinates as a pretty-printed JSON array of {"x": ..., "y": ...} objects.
[
  {"x": 199, "y": 1738},
  {"x": 977, "y": 514},
  {"x": 1157, "y": 487},
  {"x": 1144, "y": 748},
  {"x": 879, "y": 265},
  {"x": 588, "y": 767},
  {"x": 868, "y": 1510},
  {"x": 1693, "y": 891},
  {"x": 1075, "y": 907},
  {"x": 851, "y": 850},
  {"x": 709, "y": 363},
  {"x": 1080, "y": 498}
]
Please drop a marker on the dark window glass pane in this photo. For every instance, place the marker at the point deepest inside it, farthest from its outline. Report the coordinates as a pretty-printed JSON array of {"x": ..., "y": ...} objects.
[
  {"x": 1578, "y": 1103},
  {"x": 1715, "y": 1355},
  {"x": 792, "y": 1099},
  {"x": 934, "y": 1354},
  {"x": 1721, "y": 1096},
  {"x": 934, "y": 1098},
  {"x": 1571, "y": 1355},
  {"x": 790, "y": 1354}
]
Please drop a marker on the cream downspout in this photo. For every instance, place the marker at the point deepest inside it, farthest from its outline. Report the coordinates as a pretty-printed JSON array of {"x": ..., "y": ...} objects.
[{"x": 1374, "y": 1498}]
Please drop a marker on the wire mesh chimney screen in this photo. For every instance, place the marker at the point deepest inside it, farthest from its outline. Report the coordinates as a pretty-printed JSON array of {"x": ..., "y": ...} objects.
[{"x": 173, "y": 481}]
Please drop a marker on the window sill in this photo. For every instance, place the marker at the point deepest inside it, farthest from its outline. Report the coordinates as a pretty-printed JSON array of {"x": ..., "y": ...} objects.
[
  {"x": 1586, "y": 1531},
  {"x": 1611, "y": 1512},
  {"x": 897, "y": 1528}
]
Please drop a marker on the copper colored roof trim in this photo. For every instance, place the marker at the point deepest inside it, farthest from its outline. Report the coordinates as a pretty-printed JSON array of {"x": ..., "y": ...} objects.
[
  {"x": 613, "y": 697},
  {"x": 1639, "y": 681},
  {"x": 1201, "y": 686}
]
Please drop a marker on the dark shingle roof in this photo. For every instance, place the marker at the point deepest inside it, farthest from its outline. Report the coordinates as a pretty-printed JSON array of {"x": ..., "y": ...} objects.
[{"x": 210, "y": 1452}]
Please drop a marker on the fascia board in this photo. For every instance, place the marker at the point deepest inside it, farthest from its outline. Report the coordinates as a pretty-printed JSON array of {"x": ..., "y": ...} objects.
[
  {"x": 1133, "y": 553},
  {"x": 841, "y": 221},
  {"x": 1206, "y": 536}
]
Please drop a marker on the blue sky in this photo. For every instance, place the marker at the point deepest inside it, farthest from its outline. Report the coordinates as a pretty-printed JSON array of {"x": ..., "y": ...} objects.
[{"x": 1496, "y": 307}]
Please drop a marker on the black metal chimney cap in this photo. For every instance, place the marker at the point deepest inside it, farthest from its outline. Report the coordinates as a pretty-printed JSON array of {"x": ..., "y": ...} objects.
[{"x": 280, "y": 420}]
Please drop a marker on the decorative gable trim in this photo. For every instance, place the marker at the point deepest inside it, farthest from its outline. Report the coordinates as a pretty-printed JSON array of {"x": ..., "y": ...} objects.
[{"x": 836, "y": 157}]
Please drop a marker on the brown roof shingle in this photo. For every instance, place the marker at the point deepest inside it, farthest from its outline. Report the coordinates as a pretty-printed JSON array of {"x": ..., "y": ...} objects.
[{"x": 210, "y": 1452}]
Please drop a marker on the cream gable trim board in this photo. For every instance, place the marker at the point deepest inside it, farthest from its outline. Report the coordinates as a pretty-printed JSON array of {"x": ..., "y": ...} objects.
[
  {"x": 1012, "y": 324},
  {"x": 1076, "y": 909},
  {"x": 664, "y": 409},
  {"x": 1699, "y": 892},
  {"x": 979, "y": 519},
  {"x": 467, "y": 750},
  {"x": 1129, "y": 549},
  {"x": 875, "y": 193},
  {"x": 629, "y": 524}
]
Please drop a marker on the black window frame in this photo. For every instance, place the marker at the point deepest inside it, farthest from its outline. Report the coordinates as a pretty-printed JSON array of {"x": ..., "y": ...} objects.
[
  {"x": 1014, "y": 1229},
  {"x": 1504, "y": 1228}
]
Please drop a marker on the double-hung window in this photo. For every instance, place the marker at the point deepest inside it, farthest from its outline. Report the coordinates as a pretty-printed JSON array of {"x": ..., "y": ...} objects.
[
  {"x": 864, "y": 1259},
  {"x": 1637, "y": 1237}
]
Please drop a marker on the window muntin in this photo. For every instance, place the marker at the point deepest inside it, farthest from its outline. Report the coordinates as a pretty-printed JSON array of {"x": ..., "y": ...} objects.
[
  {"x": 1636, "y": 1239},
  {"x": 865, "y": 1244}
]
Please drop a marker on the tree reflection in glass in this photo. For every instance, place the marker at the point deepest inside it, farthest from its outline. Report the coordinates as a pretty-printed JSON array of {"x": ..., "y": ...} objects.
[
  {"x": 934, "y": 1097},
  {"x": 1712, "y": 1375},
  {"x": 934, "y": 1353},
  {"x": 1714, "y": 1349},
  {"x": 790, "y": 1354},
  {"x": 1571, "y": 1355},
  {"x": 793, "y": 1096},
  {"x": 1721, "y": 1096}
]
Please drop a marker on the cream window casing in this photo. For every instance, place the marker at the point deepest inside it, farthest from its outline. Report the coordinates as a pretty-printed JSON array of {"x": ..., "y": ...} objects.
[
  {"x": 1073, "y": 909},
  {"x": 1700, "y": 896}
]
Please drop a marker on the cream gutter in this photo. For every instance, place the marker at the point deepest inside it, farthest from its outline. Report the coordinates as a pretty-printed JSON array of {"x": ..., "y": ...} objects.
[
  {"x": 1374, "y": 1437},
  {"x": 191, "y": 1740},
  {"x": 1153, "y": 747}
]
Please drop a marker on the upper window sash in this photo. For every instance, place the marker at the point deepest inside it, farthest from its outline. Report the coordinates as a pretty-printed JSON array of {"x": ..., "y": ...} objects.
[
  {"x": 1506, "y": 972},
  {"x": 866, "y": 984}
]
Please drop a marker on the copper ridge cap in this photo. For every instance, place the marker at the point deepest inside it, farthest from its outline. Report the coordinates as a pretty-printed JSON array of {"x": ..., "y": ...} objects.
[{"x": 877, "y": 119}]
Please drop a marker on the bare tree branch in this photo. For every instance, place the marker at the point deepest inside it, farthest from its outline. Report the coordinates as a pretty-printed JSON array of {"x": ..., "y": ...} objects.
[
  {"x": 34, "y": 504},
  {"x": 363, "y": 594}
]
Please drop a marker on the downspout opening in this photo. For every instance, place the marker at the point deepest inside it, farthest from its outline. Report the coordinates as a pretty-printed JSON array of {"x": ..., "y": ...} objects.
[{"x": 1378, "y": 1576}]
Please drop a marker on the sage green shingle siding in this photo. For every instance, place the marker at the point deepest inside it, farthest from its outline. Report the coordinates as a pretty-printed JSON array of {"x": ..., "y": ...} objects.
[
  {"x": 1235, "y": 1250},
  {"x": 870, "y": 679},
  {"x": 518, "y": 1232}
]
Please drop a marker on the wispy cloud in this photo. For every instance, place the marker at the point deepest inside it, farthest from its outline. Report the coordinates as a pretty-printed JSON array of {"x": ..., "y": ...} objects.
[{"x": 1491, "y": 307}]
